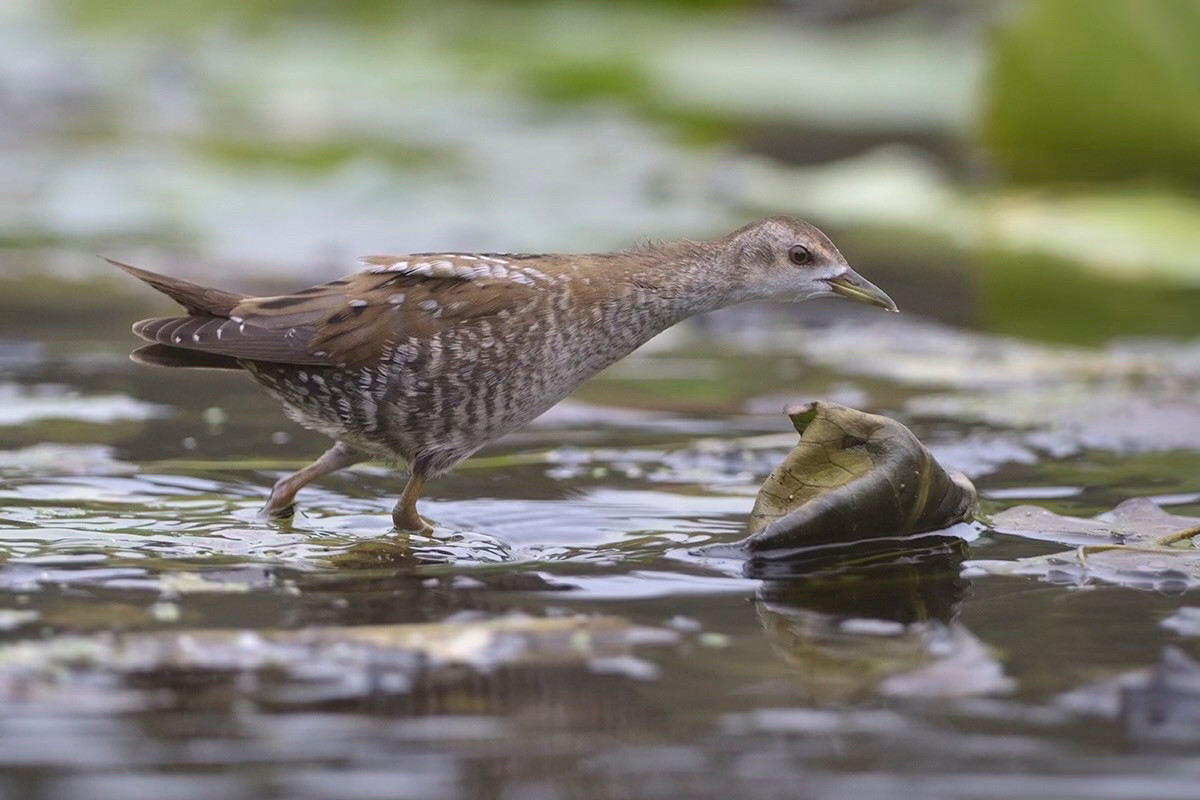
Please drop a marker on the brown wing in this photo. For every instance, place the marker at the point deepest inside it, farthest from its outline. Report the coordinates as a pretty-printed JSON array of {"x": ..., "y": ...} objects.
[
  {"x": 228, "y": 337},
  {"x": 352, "y": 321}
]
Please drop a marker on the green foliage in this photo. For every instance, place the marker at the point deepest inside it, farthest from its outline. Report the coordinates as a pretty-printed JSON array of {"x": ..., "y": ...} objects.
[
  {"x": 588, "y": 77},
  {"x": 1053, "y": 299},
  {"x": 1096, "y": 90},
  {"x": 320, "y": 156},
  {"x": 184, "y": 15},
  {"x": 180, "y": 15}
]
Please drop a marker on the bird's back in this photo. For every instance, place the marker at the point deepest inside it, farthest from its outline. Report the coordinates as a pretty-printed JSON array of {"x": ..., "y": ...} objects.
[{"x": 420, "y": 357}]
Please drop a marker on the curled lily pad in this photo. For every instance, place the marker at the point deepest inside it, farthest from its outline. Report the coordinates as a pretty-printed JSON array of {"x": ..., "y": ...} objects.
[{"x": 854, "y": 476}]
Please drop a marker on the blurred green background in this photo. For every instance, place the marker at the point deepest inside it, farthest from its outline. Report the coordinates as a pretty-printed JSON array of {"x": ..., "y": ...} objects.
[{"x": 1024, "y": 167}]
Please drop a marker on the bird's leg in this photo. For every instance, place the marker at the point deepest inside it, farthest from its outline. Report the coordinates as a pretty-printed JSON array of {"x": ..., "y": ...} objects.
[
  {"x": 404, "y": 515},
  {"x": 280, "y": 503}
]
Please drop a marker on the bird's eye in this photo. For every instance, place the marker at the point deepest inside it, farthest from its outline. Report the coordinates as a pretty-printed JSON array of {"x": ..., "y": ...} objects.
[{"x": 798, "y": 254}]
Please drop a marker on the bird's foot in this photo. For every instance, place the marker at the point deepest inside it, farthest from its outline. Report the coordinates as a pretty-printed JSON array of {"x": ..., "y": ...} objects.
[
  {"x": 410, "y": 523},
  {"x": 284, "y": 512},
  {"x": 280, "y": 506}
]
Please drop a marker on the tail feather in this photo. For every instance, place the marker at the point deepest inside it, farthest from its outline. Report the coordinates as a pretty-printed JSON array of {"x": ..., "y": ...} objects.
[
  {"x": 214, "y": 334},
  {"x": 195, "y": 298}
]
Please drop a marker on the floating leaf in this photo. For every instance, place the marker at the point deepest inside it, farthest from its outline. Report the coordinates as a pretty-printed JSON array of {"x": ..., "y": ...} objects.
[
  {"x": 854, "y": 476},
  {"x": 1137, "y": 544}
]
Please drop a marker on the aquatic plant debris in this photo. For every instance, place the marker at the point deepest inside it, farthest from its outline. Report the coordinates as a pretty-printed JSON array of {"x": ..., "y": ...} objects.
[
  {"x": 322, "y": 663},
  {"x": 854, "y": 476},
  {"x": 1159, "y": 704},
  {"x": 1051, "y": 399},
  {"x": 1137, "y": 544}
]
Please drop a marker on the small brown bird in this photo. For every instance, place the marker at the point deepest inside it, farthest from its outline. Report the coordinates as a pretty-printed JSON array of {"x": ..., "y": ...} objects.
[{"x": 422, "y": 359}]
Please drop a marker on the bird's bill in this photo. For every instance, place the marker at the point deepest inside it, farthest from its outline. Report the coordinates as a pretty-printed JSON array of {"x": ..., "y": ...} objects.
[{"x": 853, "y": 286}]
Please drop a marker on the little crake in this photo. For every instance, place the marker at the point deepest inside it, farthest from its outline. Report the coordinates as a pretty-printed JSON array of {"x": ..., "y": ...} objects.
[{"x": 421, "y": 360}]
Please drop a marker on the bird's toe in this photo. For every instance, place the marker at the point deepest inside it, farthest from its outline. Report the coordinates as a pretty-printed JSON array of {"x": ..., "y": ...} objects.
[
  {"x": 404, "y": 523},
  {"x": 281, "y": 512}
]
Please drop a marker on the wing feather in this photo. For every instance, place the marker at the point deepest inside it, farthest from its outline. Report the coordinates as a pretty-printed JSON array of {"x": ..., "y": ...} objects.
[
  {"x": 352, "y": 321},
  {"x": 227, "y": 338}
]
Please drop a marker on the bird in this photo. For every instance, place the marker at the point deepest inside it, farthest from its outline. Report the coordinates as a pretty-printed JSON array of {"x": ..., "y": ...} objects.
[{"x": 420, "y": 360}]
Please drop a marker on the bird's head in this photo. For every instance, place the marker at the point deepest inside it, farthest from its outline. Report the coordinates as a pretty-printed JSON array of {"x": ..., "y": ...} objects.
[{"x": 784, "y": 258}]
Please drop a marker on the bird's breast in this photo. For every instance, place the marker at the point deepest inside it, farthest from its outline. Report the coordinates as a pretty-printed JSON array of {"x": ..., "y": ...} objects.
[{"x": 484, "y": 377}]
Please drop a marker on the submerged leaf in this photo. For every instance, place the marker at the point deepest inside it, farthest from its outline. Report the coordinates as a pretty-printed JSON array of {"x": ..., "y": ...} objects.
[{"x": 853, "y": 476}]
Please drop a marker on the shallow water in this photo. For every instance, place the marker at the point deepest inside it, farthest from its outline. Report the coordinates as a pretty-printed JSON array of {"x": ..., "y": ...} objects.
[{"x": 862, "y": 671}]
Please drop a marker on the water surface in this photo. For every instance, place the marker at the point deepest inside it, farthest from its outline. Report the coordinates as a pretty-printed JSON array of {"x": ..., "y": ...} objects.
[{"x": 158, "y": 637}]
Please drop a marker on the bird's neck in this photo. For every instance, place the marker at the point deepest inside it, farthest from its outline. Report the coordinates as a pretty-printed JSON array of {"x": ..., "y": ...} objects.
[
  {"x": 615, "y": 303},
  {"x": 677, "y": 282},
  {"x": 627, "y": 301}
]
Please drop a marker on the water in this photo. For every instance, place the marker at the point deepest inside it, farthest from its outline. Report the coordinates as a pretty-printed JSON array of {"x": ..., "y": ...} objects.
[{"x": 865, "y": 671}]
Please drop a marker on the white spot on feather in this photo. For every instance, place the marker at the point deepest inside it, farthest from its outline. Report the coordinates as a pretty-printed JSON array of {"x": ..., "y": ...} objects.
[{"x": 395, "y": 266}]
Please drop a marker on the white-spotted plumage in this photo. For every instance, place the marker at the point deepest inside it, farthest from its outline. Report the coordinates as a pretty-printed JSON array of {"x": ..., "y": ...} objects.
[
  {"x": 424, "y": 358},
  {"x": 458, "y": 266}
]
